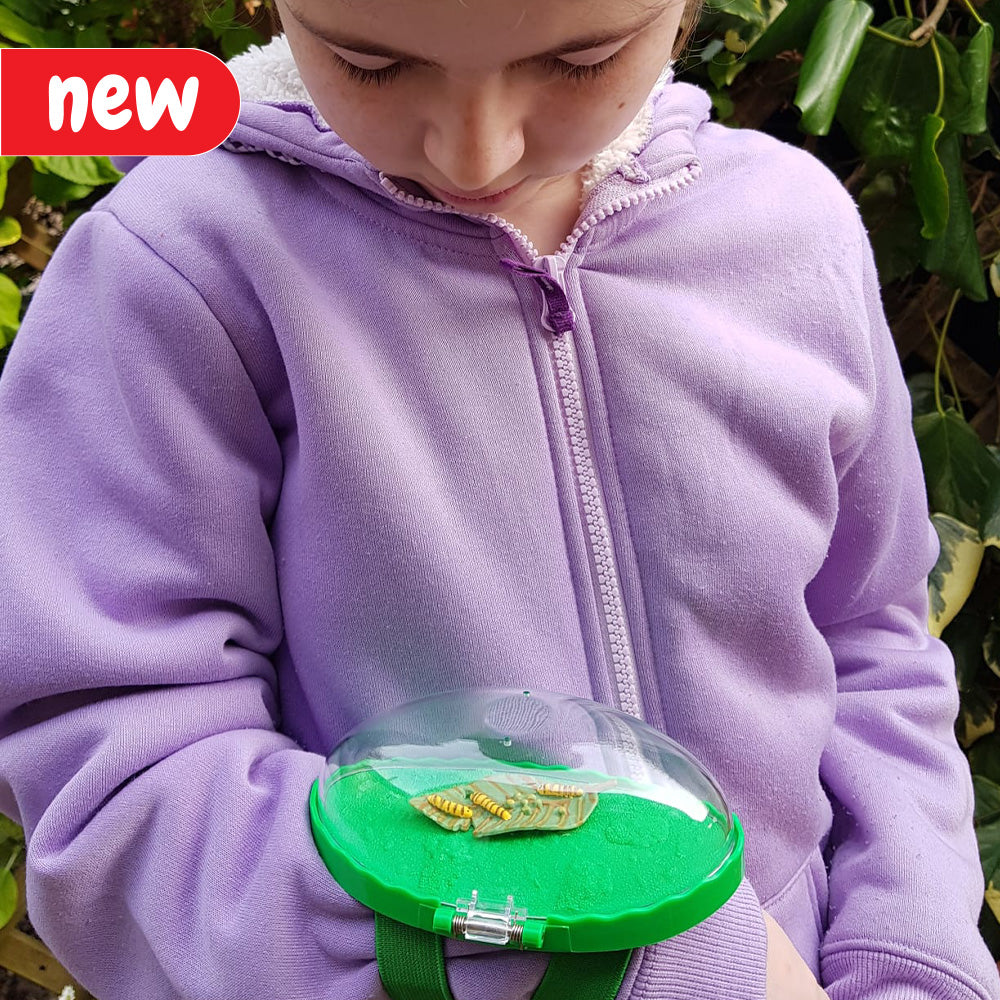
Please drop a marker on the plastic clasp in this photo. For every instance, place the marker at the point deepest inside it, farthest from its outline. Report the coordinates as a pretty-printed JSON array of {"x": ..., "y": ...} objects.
[{"x": 489, "y": 923}]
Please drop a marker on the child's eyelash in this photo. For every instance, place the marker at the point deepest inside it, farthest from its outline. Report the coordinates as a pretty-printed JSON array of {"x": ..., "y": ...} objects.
[
  {"x": 582, "y": 72},
  {"x": 375, "y": 76},
  {"x": 378, "y": 77}
]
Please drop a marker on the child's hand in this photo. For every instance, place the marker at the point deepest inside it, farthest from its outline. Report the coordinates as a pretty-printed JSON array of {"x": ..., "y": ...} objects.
[{"x": 788, "y": 977}]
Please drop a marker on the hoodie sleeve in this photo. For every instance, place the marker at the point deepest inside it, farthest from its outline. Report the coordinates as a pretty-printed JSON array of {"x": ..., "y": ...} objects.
[
  {"x": 169, "y": 848},
  {"x": 905, "y": 880}
]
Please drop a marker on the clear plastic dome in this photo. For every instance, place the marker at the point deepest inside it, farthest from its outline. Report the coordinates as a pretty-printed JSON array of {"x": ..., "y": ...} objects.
[{"x": 526, "y": 818}]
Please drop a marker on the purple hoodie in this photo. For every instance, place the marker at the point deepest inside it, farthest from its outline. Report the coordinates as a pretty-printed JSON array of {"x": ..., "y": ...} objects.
[{"x": 284, "y": 446}]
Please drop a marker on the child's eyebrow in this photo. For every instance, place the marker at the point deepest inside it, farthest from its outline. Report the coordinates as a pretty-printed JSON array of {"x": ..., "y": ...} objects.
[{"x": 364, "y": 47}]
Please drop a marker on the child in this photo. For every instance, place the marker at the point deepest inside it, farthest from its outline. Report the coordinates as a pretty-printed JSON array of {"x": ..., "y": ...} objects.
[{"x": 475, "y": 357}]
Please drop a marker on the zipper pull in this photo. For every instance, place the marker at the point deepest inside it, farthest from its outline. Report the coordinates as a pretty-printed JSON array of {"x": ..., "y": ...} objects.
[{"x": 557, "y": 314}]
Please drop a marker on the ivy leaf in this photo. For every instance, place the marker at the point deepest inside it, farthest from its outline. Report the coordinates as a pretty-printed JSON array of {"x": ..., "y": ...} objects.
[
  {"x": 833, "y": 48},
  {"x": 964, "y": 637},
  {"x": 886, "y": 97},
  {"x": 975, "y": 69},
  {"x": 963, "y": 476},
  {"x": 10, "y": 231},
  {"x": 987, "y": 823},
  {"x": 6, "y": 162},
  {"x": 33, "y": 11},
  {"x": 956, "y": 91},
  {"x": 9, "y": 830},
  {"x": 955, "y": 254},
  {"x": 891, "y": 216},
  {"x": 954, "y": 574},
  {"x": 921, "y": 389},
  {"x": 991, "y": 647},
  {"x": 94, "y": 36},
  {"x": 984, "y": 757},
  {"x": 993, "y": 899},
  {"x": 929, "y": 182},
  {"x": 237, "y": 40},
  {"x": 54, "y": 190},
  {"x": 976, "y": 716},
  {"x": 10, "y": 309},
  {"x": 8, "y": 896},
  {"x": 18, "y": 30},
  {"x": 791, "y": 29},
  {"x": 89, "y": 170}
]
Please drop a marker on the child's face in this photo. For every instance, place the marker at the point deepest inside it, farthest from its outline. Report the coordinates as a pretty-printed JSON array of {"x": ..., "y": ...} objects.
[{"x": 466, "y": 97}]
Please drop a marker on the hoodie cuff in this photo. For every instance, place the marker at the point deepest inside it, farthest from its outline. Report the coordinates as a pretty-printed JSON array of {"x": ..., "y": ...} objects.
[
  {"x": 867, "y": 974},
  {"x": 723, "y": 957}
]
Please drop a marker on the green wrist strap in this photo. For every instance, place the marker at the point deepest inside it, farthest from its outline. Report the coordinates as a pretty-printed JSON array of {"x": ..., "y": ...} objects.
[
  {"x": 410, "y": 961},
  {"x": 411, "y": 967}
]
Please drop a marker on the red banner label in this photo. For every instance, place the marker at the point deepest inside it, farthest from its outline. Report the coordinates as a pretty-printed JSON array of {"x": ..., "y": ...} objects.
[{"x": 114, "y": 102}]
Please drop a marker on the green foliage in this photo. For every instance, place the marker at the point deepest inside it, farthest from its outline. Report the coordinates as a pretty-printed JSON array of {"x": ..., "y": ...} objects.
[
  {"x": 833, "y": 49},
  {"x": 11, "y": 849},
  {"x": 906, "y": 105}
]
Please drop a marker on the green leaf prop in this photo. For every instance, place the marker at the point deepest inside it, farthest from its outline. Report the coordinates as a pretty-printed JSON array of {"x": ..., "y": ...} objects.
[
  {"x": 89, "y": 170},
  {"x": 955, "y": 254},
  {"x": 974, "y": 66},
  {"x": 928, "y": 179},
  {"x": 963, "y": 476},
  {"x": 833, "y": 48},
  {"x": 8, "y": 897},
  {"x": 887, "y": 96},
  {"x": 954, "y": 575}
]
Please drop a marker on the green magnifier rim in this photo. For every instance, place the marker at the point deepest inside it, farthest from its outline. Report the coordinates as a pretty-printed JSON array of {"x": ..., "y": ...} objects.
[{"x": 630, "y": 928}]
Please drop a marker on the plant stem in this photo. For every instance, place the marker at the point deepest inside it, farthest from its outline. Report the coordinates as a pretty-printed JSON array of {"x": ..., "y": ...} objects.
[
  {"x": 896, "y": 41},
  {"x": 929, "y": 24},
  {"x": 974, "y": 12},
  {"x": 908, "y": 7},
  {"x": 940, "y": 73},
  {"x": 12, "y": 859},
  {"x": 940, "y": 354}
]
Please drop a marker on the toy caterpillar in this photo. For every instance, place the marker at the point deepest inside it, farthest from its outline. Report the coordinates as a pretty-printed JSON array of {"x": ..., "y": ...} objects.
[
  {"x": 561, "y": 791},
  {"x": 482, "y": 800},
  {"x": 449, "y": 807}
]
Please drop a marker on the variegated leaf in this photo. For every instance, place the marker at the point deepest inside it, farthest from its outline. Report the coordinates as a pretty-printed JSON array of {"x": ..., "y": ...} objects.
[{"x": 954, "y": 574}]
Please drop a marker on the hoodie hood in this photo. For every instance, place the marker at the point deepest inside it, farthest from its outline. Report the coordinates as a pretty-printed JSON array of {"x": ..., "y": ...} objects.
[{"x": 278, "y": 118}]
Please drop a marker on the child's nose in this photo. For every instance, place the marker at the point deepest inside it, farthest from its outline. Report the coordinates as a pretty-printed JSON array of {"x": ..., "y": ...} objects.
[{"x": 476, "y": 138}]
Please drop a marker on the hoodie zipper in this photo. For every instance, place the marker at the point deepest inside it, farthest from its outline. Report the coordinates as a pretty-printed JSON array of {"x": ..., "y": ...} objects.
[
  {"x": 557, "y": 317},
  {"x": 618, "y": 641}
]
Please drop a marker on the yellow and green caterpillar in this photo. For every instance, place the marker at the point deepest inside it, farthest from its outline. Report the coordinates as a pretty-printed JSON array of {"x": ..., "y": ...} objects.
[
  {"x": 482, "y": 800},
  {"x": 449, "y": 807},
  {"x": 561, "y": 791}
]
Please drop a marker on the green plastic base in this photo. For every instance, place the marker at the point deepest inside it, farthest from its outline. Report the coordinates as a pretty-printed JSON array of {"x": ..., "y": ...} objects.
[{"x": 592, "y": 885}]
